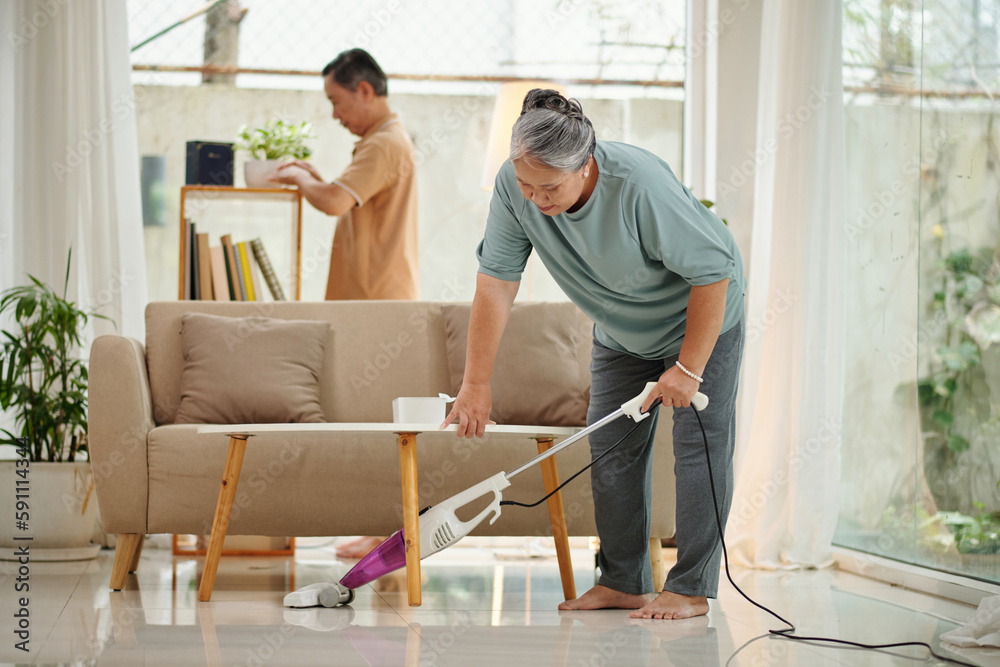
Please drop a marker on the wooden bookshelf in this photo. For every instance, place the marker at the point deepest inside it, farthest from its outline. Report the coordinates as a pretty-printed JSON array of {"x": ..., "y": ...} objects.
[{"x": 210, "y": 193}]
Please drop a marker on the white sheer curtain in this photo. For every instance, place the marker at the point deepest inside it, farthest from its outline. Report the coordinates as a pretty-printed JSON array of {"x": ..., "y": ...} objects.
[
  {"x": 788, "y": 449},
  {"x": 69, "y": 163}
]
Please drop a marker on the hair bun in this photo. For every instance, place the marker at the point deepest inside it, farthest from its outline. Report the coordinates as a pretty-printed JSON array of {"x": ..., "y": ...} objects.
[{"x": 546, "y": 98}]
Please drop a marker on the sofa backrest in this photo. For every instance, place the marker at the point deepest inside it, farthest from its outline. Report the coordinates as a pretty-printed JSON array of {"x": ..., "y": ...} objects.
[{"x": 376, "y": 350}]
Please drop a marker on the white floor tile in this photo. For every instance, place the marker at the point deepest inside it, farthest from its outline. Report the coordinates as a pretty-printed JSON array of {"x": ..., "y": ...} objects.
[{"x": 482, "y": 606}]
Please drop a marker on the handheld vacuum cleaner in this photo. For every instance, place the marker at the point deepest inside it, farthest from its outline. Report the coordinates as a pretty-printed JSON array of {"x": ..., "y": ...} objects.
[{"x": 440, "y": 527}]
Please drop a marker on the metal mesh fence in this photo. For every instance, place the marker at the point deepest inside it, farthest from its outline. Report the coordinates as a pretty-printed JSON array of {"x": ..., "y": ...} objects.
[
  {"x": 594, "y": 41},
  {"x": 934, "y": 47}
]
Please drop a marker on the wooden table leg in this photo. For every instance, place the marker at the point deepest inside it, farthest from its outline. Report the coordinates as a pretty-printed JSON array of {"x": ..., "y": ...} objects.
[
  {"x": 557, "y": 517},
  {"x": 227, "y": 493},
  {"x": 411, "y": 520}
]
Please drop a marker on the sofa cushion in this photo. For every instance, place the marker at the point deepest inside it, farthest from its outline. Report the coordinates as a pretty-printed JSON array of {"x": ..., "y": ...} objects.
[
  {"x": 250, "y": 370},
  {"x": 539, "y": 376}
]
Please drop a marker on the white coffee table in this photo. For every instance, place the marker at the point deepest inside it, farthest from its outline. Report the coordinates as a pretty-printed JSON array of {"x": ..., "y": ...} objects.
[{"x": 407, "y": 438}]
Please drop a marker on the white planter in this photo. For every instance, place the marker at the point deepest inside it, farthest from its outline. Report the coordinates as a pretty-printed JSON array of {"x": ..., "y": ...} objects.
[
  {"x": 61, "y": 507},
  {"x": 255, "y": 172}
]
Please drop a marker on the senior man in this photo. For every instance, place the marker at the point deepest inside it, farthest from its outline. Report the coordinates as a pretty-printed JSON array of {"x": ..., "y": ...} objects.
[{"x": 374, "y": 253}]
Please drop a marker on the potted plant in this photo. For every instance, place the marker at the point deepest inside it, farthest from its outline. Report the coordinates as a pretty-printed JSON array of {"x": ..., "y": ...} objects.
[
  {"x": 271, "y": 145},
  {"x": 43, "y": 385}
]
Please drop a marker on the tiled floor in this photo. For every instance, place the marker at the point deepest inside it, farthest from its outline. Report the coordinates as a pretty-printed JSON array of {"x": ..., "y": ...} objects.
[{"x": 481, "y": 606}]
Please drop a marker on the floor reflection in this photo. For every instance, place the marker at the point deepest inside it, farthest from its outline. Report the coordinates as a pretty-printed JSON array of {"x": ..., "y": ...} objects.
[{"x": 480, "y": 607}]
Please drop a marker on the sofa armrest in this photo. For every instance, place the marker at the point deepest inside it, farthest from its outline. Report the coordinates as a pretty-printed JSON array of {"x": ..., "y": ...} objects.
[{"x": 120, "y": 416}]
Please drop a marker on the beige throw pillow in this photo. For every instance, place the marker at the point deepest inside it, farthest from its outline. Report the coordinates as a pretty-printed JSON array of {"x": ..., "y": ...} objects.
[
  {"x": 250, "y": 370},
  {"x": 541, "y": 377}
]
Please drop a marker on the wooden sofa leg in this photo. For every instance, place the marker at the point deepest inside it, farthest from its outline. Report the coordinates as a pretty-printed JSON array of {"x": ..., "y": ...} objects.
[
  {"x": 125, "y": 550},
  {"x": 656, "y": 561},
  {"x": 134, "y": 565}
]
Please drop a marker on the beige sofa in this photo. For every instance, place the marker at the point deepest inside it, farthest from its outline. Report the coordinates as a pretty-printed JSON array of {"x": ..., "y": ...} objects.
[{"x": 155, "y": 476}]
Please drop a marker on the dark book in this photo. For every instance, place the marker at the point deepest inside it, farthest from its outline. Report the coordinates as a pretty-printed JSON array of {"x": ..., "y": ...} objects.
[
  {"x": 234, "y": 283},
  {"x": 209, "y": 163},
  {"x": 267, "y": 270},
  {"x": 195, "y": 273}
]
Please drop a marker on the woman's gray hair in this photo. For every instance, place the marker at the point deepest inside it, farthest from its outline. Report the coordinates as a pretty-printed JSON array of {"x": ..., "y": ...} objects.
[{"x": 554, "y": 131}]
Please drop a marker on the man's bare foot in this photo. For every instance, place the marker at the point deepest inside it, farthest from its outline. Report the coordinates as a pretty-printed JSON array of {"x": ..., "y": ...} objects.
[
  {"x": 673, "y": 606},
  {"x": 359, "y": 548},
  {"x": 602, "y": 597}
]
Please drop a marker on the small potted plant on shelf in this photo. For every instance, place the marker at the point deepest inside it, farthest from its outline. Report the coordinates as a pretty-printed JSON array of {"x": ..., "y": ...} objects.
[
  {"x": 271, "y": 145},
  {"x": 43, "y": 384}
]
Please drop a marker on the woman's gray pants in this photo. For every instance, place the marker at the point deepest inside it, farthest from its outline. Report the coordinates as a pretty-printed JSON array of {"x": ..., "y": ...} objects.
[{"x": 622, "y": 481}]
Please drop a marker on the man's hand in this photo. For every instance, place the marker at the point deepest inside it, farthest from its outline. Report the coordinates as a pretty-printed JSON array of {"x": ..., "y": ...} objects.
[
  {"x": 472, "y": 410},
  {"x": 302, "y": 164},
  {"x": 674, "y": 387},
  {"x": 290, "y": 174}
]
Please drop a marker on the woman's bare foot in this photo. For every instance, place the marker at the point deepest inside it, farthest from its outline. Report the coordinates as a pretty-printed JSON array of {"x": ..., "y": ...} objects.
[
  {"x": 602, "y": 597},
  {"x": 673, "y": 606},
  {"x": 359, "y": 548}
]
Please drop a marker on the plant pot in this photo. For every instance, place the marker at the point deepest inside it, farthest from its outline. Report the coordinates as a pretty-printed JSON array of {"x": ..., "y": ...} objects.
[
  {"x": 61, "y": 509},
  {"x": 255, "y": 173}
]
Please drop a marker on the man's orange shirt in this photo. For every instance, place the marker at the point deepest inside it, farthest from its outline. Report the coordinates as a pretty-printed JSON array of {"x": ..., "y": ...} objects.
[{"x": 375, "y": 245}]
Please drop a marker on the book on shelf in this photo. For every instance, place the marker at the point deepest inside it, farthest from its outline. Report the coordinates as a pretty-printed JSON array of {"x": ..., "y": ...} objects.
[
  {"x": 238, "y": 281},
  {"x": 220, "y": 278},
  {"x": 195, "y": 274},
  {"x": 267, "y": 270},
  {"x": 186, "y": 290},
  {"x": 205, "y": 268},
  {"x": 231, "y": 267},
  {"x": 245, "y": 270},
  {"x": 230, "y": 271},
  {"x": 254, "y": 273}
]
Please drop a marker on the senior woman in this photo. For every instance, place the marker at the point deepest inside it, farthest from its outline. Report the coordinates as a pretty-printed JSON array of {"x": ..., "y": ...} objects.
[{"x": 663, "y": 281}]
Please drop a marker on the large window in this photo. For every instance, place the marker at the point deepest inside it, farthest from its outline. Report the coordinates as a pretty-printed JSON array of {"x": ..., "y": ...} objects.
[
  {"x": 603, "y": 41},
  {"x": 445, "y": 60},
  {"x": 922, "y": 420}
]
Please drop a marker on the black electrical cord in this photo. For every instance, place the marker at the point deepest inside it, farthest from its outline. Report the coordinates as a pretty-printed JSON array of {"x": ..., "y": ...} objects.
[
  {"x": 786, "y": 634},
  {"x": 783, "y": 634},
  {"x": 584, "y": 468}
]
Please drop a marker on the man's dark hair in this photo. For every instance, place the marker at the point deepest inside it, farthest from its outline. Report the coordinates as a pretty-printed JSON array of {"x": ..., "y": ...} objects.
[{"x": 354, "y": 66}]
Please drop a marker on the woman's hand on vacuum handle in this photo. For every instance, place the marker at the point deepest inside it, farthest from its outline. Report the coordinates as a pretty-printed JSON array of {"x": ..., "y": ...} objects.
[
  {"x": 675, "y": 388},
  {"x": 472, "y": 410}
]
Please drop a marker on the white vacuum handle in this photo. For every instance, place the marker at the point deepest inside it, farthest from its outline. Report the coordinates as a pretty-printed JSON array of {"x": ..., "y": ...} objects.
[
  {"x": 440, "y": 528},
  {"x": 633, "y": 408}
]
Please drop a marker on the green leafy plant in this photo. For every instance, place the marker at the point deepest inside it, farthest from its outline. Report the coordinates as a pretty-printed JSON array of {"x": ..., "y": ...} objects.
[
  {"x": 974, "y": 534},
  {"x": 967, "y": 300},
  {"x": 276, "y": 140},
  {"x": 41, "y": 379}
]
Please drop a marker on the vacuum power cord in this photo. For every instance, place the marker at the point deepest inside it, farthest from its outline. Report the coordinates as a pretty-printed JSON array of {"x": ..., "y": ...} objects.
[{"x": 785, "y": 633}]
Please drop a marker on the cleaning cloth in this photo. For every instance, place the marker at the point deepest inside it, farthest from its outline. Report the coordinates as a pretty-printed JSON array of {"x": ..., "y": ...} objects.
[{"x": 983, "y": 629}]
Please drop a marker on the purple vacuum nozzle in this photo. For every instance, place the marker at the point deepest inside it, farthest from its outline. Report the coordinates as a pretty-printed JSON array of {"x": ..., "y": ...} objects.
[{"x": 383, "y": 559}]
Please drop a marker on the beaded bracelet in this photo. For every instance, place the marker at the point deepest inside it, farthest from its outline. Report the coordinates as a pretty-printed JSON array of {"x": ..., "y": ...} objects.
[{"x": 687, "y": 372}]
